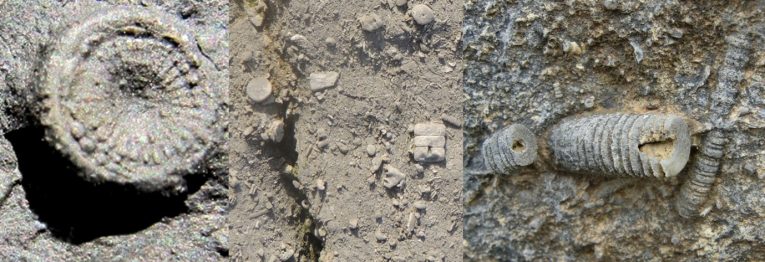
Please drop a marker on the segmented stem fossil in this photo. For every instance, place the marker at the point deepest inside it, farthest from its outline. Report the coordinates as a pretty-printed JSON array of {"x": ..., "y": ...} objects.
[
  {"x": 706, "y": 165},
  {"x": 622, "y": 145},
  {"x": 508, "y": 150}
]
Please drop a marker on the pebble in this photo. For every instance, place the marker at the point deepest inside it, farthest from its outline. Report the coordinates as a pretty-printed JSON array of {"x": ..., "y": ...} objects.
[
  {"x": 370, "y": 22},
  {"x": 451, "y": 120},
  {"x": 259, "y": 89},
  {"x": 420, "y": 205},
  {"x": 354, "y": 223},
  {"x": 611, "y": 4},
  {"x": 371, "y": 150},
  {"x": 320, "y": 185},
  {"x": 380, "y": 236},
  {"x": 422, "y": 14},
  {"x": 401, "y": 3},
  {"x": 323, "y": 80},
  {"x": 330, "y": 41}
]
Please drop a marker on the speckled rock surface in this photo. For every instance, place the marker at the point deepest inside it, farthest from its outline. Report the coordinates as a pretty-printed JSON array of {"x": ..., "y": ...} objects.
[{"x": 537, "y": 62}]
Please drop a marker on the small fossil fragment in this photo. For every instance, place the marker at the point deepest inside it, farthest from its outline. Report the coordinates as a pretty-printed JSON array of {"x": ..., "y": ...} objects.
[
  {"x": 126, "y": 98},
  {"x": 393, "y": 177},
  {"x": 622, "y": 144},
  {"x": 422, "y": 14},
  {"x": 429, "y": 142},
  {"x": 259, "y": 89},
  {"x": 509, "y": 149},
  {"x": 702, "y": 175}
]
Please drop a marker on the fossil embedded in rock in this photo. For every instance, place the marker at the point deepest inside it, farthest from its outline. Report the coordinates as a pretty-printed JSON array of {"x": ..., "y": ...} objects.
[
  {"x": 622, "y": 144},
  {"x": 509, "y": 149},
  {"x": 126, "y": 98},
  {"x": 702, "y": 175}
]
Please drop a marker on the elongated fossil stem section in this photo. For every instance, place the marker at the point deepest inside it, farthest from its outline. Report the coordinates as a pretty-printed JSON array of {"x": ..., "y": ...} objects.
[
  {"x": 126, "y": 98},
  {"x": 702, "y": 175},
  {"x": 729, "y": 76},
  {"x": 622, "y": 145},
  {"x": 509, "y": 149},
  {"x": 706, "y": 165}
]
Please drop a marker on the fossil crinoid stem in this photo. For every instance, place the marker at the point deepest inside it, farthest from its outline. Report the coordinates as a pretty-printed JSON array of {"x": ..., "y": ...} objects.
[
  {"x": 509, "y": 149},
  {"x": 622, "y": 145}
]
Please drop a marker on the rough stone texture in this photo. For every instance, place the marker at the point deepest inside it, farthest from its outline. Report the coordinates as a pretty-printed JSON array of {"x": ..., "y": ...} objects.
[
  {"x": 333, "y": 200},
  {"x": 49, "y": 211},
  {"x": 537, "y": 62}
]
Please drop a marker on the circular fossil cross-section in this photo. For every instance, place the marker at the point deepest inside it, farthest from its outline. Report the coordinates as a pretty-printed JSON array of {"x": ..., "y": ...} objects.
[
  {"x": 509, "y": 149},
  {"x": 126, "y": 98}
]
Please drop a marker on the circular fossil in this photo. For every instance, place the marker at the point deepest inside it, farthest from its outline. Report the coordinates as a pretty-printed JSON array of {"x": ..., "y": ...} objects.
[
  {"x": 127, "y": 100},
  {"x": 509, "y": 149}
]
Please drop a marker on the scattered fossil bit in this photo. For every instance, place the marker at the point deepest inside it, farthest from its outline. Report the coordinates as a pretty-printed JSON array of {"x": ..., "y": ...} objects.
[
  {"x": 429, "y": 142},
  {"x": 275, "y": 131},
  {"x": 622, "y": 144},
  {"x": 702, "y": 175},
  {"x": 393, "y": 177},
  {"x": 125, "y": 68},
  {"x": 370, "y": 22},
  {"x": 422, "y": 14},
  {"x": 323, "y": 80},
  {"x": 259, "y": 89},
  {"x": 380, "y": 236},
  {"x": 509, "y": 149}
]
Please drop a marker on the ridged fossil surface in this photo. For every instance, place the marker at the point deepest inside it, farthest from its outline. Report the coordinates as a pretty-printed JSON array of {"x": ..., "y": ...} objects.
[
  {"x": 622, "y": 144},
  {"x": 706, "y": 165},
  {"x": 702, "y": 175},
  {"x": 509, "y": 149},
  {"x": 126, "y": 98}
]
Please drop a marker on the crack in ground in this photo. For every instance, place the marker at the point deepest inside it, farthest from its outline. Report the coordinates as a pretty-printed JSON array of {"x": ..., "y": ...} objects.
[
  {"x": 311, "y": 244},
  {"x": 6, "y": 194}
]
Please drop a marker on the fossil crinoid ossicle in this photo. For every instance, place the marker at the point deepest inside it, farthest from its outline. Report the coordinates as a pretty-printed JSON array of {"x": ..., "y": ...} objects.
[
  {"x": 509, "y": 149},
  {"x": 622, "y": 144},
  {"x": 126, "y": 98}
]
